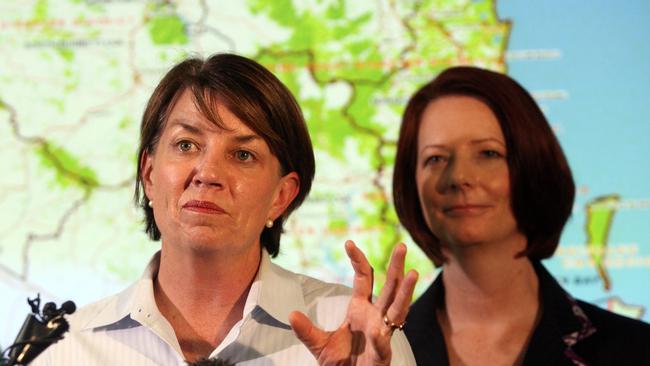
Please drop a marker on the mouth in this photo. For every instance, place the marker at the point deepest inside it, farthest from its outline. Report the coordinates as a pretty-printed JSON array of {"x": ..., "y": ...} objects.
[
  {"x": 203, "y": 207},
  {"x": 464, "y": 210}
]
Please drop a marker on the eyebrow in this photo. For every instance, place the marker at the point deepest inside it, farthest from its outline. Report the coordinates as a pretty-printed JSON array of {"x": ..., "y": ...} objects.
[
  {"x": 246, "y": 138},
  {"x": 241, "y": 138},
  {"x": 186, "y": 126},
  {"x": 473, "y": 142},
  {"x": 493, "y": 139}
]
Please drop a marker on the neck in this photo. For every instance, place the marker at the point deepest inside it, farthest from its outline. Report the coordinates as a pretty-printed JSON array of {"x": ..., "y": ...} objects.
[
  {"x": 201, "y": 276},
  {"x": 202, "y": 294},
  {"x": 486, "y": 282}
]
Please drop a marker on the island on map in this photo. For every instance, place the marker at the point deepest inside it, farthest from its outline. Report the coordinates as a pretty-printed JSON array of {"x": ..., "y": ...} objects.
[{"x": 600, "y": 214}]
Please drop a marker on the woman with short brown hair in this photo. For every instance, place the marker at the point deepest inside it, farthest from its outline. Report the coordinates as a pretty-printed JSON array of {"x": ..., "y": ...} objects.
[{"x": 224, "y": 158}]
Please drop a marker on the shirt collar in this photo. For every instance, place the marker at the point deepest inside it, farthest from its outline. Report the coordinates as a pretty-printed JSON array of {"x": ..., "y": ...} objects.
[
  {"x": 562, "y": 325},
  {"x": 137, "y": 301},
  {"x": 561, "y": 312},
  {"x": 274, "y": 290}
]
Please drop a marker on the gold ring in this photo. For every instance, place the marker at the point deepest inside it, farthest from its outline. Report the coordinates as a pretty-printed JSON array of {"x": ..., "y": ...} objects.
[{"x": 393, "y": 325}]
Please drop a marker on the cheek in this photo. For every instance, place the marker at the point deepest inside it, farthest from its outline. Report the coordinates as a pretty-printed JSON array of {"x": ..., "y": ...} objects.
[
  {"x": 169, "y": 182},
  {"x": 500, "y": 185},
  {"x": 426, "y": 186},
  {"x": 254, "y": 195},
  {"x": 245, "y": 187}
]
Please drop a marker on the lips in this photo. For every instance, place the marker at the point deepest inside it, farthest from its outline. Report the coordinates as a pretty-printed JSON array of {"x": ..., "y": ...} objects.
[
  {"x": 203, "y": 207},
  {"x": 464, "y": 210}
]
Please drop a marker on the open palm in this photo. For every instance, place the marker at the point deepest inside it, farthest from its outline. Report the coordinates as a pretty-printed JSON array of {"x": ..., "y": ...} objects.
[{"x": 364, "y": 337}]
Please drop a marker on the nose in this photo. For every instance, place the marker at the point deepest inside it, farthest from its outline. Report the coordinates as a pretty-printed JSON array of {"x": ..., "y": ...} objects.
[
  {"x": 209, "y": 171},
  {"x": 459, "y": 174}
]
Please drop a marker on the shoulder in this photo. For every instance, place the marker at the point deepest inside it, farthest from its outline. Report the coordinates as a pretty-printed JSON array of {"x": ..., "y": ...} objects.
[
  {"x": 113, "y": 308},
  {"x": 327, "y": 300},
  {"x": 607, "y": 322},
  {"x": 596, "y": 335},
  {"x": 422, "y": 308},
  {"x": 311, "y": 287},
  {"x": 101, "y": 312},
  {"x": 324, "y": 303},
  {"x": 422, "y": 329},
  {"x": 81, "y": 333},
  {"x": 422, "y": 314},
  {"x": 85, "y": 315},
  {"x": 617, "y": 339}
]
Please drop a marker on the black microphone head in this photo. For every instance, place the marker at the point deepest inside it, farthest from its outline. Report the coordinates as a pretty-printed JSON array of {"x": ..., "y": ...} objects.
[
  {"x": 49, "y": 310},
  {"x": 68, "y": 307}
]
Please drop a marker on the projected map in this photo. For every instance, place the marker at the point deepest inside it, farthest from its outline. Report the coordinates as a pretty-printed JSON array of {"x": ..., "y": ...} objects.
[{"x": 75, "y": 76}]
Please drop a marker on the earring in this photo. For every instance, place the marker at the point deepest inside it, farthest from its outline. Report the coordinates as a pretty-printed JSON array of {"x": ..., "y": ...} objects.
[
  {"x": 150, "y": 204},
  {"x": 269, "y": 223}
]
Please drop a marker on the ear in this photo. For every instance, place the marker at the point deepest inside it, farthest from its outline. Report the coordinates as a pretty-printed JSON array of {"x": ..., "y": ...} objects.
[
  {"x": 146, "y": 167},
  {"x": 287, "y": 191}
]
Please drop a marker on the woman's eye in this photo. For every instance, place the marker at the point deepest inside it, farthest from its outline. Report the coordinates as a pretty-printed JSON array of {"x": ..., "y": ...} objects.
[
  {"x": 243, "y": 155},
  {"x": 185, "y": 145},
  {"x": 434, "y": 159},
  {"x": 491, "y": 153}
]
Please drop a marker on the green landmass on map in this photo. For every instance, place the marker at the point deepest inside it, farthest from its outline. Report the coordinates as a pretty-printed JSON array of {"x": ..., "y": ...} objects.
[
  {"x": 599, "y": 216},
  {"x": 40, "y": 10},
  {"x": 600, "y": 213},
  {"x": 167, "y": 30},
  {"x": 68, "y": 169}
]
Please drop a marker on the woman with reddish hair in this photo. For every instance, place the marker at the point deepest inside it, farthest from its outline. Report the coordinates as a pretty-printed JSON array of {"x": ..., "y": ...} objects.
[{"x": 483, "y": 187}]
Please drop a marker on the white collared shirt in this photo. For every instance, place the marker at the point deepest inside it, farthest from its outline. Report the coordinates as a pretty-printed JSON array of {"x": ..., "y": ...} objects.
[{"x": 128, "y": 329}]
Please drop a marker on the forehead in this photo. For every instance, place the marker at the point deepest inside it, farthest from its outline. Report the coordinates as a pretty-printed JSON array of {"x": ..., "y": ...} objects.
[
  {"x": 186, "y": 111},
  {"x": 451, "y": 118}
]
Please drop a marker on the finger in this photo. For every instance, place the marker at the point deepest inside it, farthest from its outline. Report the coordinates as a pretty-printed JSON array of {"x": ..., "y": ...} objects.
[
  {"x": 309, "y": 334},
  {"x": 394, "y": 277},
  {"x": 398, "y": 310},
  {"x": 363, "y": 277}
]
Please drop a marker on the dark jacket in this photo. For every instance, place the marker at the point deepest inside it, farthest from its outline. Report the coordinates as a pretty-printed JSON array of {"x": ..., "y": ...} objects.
[{"x": 570, "y": 332}]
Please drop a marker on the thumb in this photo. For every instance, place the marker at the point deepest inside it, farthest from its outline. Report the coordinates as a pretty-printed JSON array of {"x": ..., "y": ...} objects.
[{"x": 313, "y": 337}]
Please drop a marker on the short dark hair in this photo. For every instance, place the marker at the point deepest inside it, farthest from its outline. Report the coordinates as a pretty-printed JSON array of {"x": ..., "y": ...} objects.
[
  {"x": 257, "y": 98},
  {"x": 541, "y": 184}
]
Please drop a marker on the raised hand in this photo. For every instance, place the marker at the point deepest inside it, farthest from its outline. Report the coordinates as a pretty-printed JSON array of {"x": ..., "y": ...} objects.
[{"x": 364, "y": 336}]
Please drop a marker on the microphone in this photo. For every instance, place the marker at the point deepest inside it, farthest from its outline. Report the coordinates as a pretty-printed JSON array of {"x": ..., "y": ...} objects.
[{"x": 40, "y": 330}]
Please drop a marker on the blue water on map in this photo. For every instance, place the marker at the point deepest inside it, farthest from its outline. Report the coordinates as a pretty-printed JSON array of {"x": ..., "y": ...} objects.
[{"x": 598, "y": 77}]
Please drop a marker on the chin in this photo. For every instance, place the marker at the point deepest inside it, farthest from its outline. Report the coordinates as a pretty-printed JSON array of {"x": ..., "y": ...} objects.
[
  {"x": 464, "y": 243},
  {"x": 204, "y": 249},
  {"x": 199, "y": 237},
  {"x": 467, "y": 237}
]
